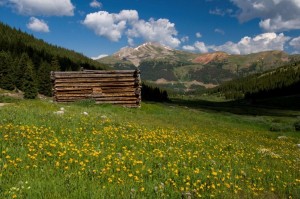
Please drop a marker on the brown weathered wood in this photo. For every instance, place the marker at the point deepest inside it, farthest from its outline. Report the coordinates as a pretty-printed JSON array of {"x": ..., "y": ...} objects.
[
  {"x": 71, "y": 89},
  {"x": 116, "y": 90},
  {"x": 100, "y": 80},
  {"x": 70, "y": 76},
  {"x": 115, "y": 87},
  {"x": 115, "y": 98},
  {"x": 108, "y": 84},
  {"x": 115, "y": 102},
  {"x": 104, "y": 95},
  {"x": 97, "y": 72},
  {"x": 96, "y": 95},
  {"x": 72, "y": 95},
  {"x": 110, "y": 71},
  {"x": 73, "y": 92}
]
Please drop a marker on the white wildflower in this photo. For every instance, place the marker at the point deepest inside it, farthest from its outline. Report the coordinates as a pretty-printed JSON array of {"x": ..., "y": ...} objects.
[
  {"x": 282, "y": 137},
  {"x": 59, "y": 112},
  {"x": 268, "y": 152}
]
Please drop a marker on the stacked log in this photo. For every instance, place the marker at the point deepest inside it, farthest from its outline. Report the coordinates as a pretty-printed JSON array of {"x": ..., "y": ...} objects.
[{"x": 121, "y": 87}]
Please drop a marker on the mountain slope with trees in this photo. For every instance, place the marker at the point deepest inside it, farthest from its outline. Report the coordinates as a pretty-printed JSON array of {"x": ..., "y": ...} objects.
[
  {"x": 283, "y": 81},
  {"x": 26, "y": 62},
  {"x": 188, "y": 72}
]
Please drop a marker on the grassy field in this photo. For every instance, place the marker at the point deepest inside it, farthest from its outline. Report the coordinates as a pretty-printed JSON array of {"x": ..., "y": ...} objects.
[{"x": 175, "y": 150}]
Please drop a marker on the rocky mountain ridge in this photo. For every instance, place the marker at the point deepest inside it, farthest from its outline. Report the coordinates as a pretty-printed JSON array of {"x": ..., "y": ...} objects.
[
  {"x": 145, "y": 51},
  {"x": 186, "y": 71}
]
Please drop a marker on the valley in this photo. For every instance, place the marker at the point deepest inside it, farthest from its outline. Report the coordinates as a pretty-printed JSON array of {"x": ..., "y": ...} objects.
[{"x": 183, "y": 71}]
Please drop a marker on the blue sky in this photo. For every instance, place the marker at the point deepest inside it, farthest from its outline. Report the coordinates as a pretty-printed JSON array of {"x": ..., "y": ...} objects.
[{"x": 99, "y": 27}]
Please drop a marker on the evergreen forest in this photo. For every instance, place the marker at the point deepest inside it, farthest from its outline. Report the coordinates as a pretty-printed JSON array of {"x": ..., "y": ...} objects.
[
  {"x": 26, "y": 62},
  {"x": 283, "y": 81}
]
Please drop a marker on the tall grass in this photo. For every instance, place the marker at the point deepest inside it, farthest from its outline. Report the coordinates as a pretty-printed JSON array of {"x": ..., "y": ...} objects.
[{"x": 157, "y": 151}]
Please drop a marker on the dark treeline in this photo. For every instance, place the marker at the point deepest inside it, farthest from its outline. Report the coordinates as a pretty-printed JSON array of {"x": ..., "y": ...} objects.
[
  {"x": 155, "y": 94},
  {"x": 26, "y": 62},
  {"x": 282, "y": 81}
]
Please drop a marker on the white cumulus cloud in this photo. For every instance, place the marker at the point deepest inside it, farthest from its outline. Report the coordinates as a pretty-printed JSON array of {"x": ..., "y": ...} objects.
[
  {"x": 198, "y": 35},
  {"x": 189, "y": 48},
  {"x": 105, "y": 24},
  {"x": 217, "y": 11},
  {"x": 161, "y": 30},
  {"x": 247, "y": 45},
  {"x": 275, "y": 15},
  {"x": 201, "y": 47},
  {"x": 185, "y": 39},
  {"x": 295, "y": 43},
  {"x": 129, "y": 15},
  {"x": 198, "y": 46},
  {"x": 130, "y": 41},
  {"x": 95, "y": 4},
  {"x": 37, "y": 25},
  {"x": 42, "y": 7},
  {"x": 220, "y": 12},
  {"x": 99, "y": 56},
  {"x": 220, "y": 31},
  {"x": 114, "y": 25}
]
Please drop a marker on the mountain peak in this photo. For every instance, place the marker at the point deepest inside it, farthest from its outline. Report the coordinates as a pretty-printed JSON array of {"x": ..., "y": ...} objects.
[
  {"x": 151, "y": 45},
  {"x": 149, "y": 50}
]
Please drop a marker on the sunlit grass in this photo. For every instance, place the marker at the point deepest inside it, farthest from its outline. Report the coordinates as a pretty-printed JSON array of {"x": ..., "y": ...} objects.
[{"x": 158, "y": 151}]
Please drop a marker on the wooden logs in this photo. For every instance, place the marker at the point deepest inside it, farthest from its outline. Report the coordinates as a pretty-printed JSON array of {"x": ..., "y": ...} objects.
[{"x": 121, "y": 87}]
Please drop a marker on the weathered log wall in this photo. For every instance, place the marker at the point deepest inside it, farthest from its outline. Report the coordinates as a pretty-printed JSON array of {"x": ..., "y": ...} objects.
[{"x": 115, "y": 87}]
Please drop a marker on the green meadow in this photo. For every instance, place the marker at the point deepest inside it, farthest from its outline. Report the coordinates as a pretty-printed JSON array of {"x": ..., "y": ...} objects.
[{"x": 168, "y": 150}]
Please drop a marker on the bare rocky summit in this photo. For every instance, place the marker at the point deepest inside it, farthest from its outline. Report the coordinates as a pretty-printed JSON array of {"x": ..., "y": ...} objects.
[{"x": 143, "y": 52}]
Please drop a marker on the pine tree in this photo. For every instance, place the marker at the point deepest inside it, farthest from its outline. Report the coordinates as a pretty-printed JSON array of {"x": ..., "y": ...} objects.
[
  {"x": 29, "y": 84},
  {"x": 6, "y": 71},
  {"x": 55, "y": 64},
  {"x": 44, "y": 81},
  {"x": 19, "y": 72}
]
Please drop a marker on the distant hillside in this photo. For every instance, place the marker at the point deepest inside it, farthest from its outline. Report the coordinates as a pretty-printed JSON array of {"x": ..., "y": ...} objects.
[
  {"x": 184, "y": 71},
  {"x": 26, "y": 62},
  {"x": 283, "y": 81}
]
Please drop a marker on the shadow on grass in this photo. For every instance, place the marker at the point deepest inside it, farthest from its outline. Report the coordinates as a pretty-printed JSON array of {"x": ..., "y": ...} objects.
[{"x": 281, "y": 106}]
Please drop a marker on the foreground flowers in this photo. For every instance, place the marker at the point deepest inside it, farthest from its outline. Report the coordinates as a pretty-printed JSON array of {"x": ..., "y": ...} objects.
[{"x": 128, "y": 160}]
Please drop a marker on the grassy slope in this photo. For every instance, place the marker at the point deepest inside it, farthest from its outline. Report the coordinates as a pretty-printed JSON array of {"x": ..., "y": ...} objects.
[{"x": 171, "y": 151}]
